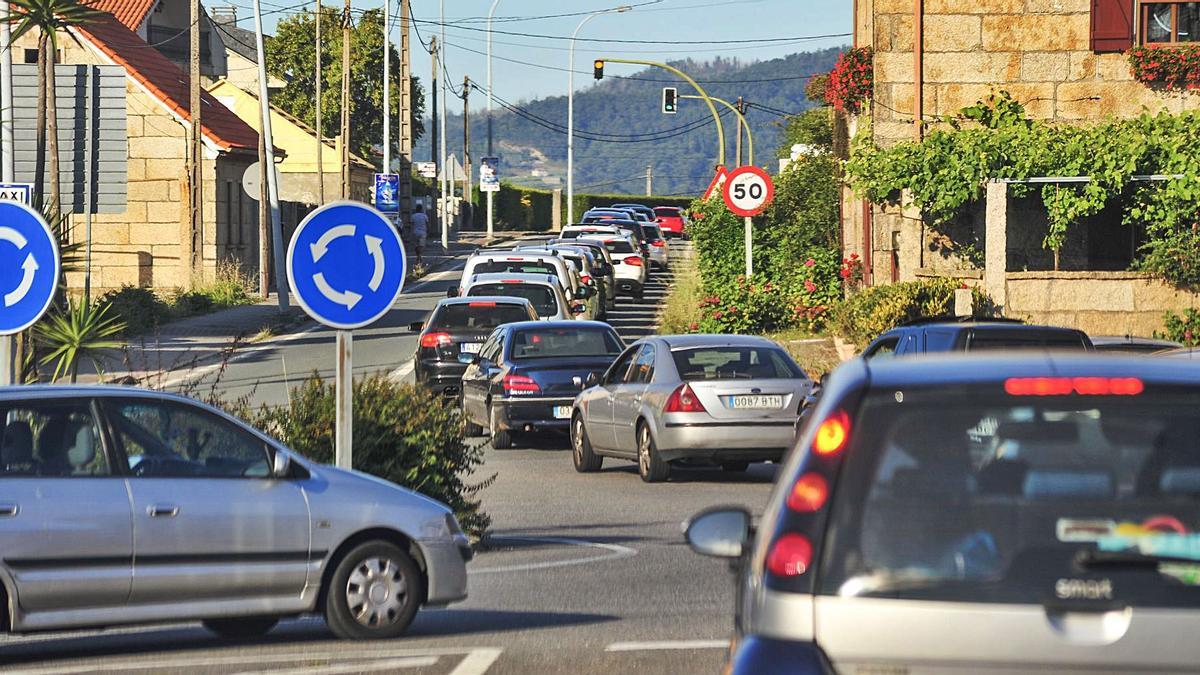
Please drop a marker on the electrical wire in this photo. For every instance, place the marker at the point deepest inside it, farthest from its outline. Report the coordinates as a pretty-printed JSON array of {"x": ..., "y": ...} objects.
[{"x": 795, "y": 38}]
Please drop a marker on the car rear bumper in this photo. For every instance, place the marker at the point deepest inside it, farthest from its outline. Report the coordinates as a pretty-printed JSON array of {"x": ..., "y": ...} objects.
[
  {"x": 446, "y": 568},
  {"x": 726, "y": 441},
  {"x": 764, "y": 656},
  {"x": 444, "y": 377},
  {"x": 630, "y": 286},
  {"x": 531, "y": 414}
]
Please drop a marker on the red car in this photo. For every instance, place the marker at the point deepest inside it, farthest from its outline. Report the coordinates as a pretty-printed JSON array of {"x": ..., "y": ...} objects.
[{"x": 671, "y": 220}]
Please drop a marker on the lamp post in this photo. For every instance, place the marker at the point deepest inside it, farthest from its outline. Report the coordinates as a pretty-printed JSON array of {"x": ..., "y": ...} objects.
[
  {"x": 571, "y": 108},
  {"x": 490, "y": 152},
  {"x": 443, "y": 208},
  {"x": 387, "y": 88}
]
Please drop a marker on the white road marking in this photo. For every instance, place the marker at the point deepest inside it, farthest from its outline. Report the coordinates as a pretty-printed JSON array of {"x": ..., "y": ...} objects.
[
  {"x": 478, "y": 661},
  {"x": 666, "y": 645},
  {"x": 614, "y": 552},
  {"x": 403, "y": 371},
  {"x": 384, "y": 665}
]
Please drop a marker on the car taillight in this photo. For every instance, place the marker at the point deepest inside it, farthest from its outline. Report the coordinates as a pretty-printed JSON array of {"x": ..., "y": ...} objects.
[
  {"x": 809, "y": 493},
  {"x": 587, "y": 279},
  {"x": 833, "y": 433},
  {"x": 520, "y": 384},
  {"x": 435, "y": 340},
  {"x": 790, "y": 555},
  {"x": 659, "y": 243},
  {"x": 481, "y": 304},
  {"x": 633, "y": 260},
  {"x": 684, "y": 400},
  {"x": 1065, "y": 386}
]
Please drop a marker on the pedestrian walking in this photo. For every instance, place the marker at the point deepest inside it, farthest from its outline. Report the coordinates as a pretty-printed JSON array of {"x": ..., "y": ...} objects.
[{"x": 420, "y": 228}]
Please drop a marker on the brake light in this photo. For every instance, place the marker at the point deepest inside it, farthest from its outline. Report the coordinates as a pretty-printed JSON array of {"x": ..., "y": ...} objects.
[
  {"x": 658, "y": 242},
  {"x": 684, "y": 400},
  {"x": 511, "y": 281},
  {"x": 634, "y": 260},
  {"x": 435, "y": 340},
  {"x": 1065, "y": 386},
  {"x": 832, "y": 434},
  {"x": 809, "y": 493},
  {"x": 587, "y": 279},
  {"x": 790, "y": 555},
  {"x": 516, "y": 260},
  {"x": 520, "y": 384},
  {"x": 481, "y": 304}
]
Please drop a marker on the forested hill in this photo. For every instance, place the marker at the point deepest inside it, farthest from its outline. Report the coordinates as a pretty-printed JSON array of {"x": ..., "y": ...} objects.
[{"x": 620, "y": 129}]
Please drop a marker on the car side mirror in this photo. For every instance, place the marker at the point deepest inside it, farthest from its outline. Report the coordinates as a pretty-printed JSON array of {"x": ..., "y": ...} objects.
[
  {"x": 281, "y": 464},
  {"x": 467, "y": 358},
  {"x": 584, "y": 292},
  {"x": 723, "y": 532},
  {"x": 591, "y": 380},
  {"x": 416, "y": 326}
]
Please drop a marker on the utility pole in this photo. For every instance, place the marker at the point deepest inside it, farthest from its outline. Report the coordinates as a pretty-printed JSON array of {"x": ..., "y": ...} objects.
[
  {"x": 490, "y": 152},
  {"x": 264, "y": 223},
  {"x": 405, "y": 141},
  {"x": 319, "y": 126},
  {"x": 649, "y": 179},
  {"x": 387, "y": 86},
  {"x": 268, "y": 146},
  {"x": 9, "y": 368},
  {"x": 738, "y": 147},
  {"x": 193, "y": 242},
  {"x": 468, "y": 198},
  {"x": 435, "y": 157},
  {"x": 345, "y": 131},
  {"x": 445, "y": 174}
]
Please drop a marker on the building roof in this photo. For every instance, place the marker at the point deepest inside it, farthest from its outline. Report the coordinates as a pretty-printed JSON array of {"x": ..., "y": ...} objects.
[
  {"x": 238, "y": 40},
  {"x": 167, "y": 82},
  {"x": 130, "y": 13}
]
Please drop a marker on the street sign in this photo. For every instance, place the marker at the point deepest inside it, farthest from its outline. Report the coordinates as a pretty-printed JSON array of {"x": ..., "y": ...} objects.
[
  {"x": 717, "y": 182},
  {"x": 426, "y": 169},
  {"x": 489, "y": 174},
  {"x": 252, "y": 180},
  {"x": 346, "y": 264},
  {"x": 748, "y": 190},
  {"x": 29, "y": 267},
  {"x": 387, "y": 192},
  {"x": 17, "y": 192}
]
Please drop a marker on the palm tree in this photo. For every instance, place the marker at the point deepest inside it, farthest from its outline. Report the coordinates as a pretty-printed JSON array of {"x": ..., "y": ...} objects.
[{"x": 48, "y": 17}]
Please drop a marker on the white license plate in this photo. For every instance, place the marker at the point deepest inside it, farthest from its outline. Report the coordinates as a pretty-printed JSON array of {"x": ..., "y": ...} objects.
[
  {"x": 470, "y": 347},
  {"x": 562, "y": 412},
  {"x": 754, "y": 402}
]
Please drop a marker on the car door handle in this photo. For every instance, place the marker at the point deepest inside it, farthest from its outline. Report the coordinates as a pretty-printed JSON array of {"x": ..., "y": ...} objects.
[
  {"x": 163, "y": 511},
  {"x": 9, "y": 510}
]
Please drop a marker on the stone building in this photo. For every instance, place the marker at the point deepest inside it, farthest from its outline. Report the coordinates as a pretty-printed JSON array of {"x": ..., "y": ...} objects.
[{"x": 1063, "y": 60}]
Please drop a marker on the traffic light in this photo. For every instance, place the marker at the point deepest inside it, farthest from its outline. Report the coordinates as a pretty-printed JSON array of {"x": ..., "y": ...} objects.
[
  {"x": 598, "y": 69},
  {"x": 670, "y": 94}
]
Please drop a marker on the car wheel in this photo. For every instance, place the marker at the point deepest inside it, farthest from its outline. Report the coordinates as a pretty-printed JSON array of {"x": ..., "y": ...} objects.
[
  {"x": 586, "y": 461},
  {"x": 472, "y": 430},
  {"x": 651, "y": 467},
  {"x": 501, "y": 438},
  {"x": 243, "y": 627},
  {"x": 374, "y": 593},
  {"x": 735, "y": 467}
]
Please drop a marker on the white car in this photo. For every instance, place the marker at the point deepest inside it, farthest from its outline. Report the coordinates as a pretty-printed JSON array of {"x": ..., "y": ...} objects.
[
  {"x": 541, "y": 290},
  {"x": 628, "y": 264},
  {"x": 516, "y": 262},
  {"x": 577, "y": 231},
  {"x": 660, "y": 250}
]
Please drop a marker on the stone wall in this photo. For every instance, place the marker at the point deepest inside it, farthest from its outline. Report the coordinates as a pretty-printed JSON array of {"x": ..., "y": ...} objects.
[{"x": 1099, "y": 303}]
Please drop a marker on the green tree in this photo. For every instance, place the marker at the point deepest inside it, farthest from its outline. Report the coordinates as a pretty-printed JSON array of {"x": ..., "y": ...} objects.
[
  {"x": 811, "y": 127},
  {"x": 291, "y": 56}
]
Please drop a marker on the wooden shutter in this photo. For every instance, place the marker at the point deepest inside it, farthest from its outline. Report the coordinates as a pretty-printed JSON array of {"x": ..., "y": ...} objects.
[{"x": 1112, "y": 25}]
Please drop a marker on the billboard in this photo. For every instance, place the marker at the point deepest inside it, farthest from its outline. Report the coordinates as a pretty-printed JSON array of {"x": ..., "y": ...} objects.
[{"x": 489, "y": 174}]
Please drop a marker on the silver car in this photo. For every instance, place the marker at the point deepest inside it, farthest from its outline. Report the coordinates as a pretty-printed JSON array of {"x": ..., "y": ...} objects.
[
  {"x": 716, "y": 399},
  {"x": 124, "y": 506},
  {"x": 541, "y": 290}
]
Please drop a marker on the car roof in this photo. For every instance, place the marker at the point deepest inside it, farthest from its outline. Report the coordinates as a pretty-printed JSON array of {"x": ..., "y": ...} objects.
[
  {"x": 711, "y": 340},
  {"x": 1110, "y": 340},
  {"x": 515, "y": 253},
  {"x": 962, "y": 368},
  {"x": 985, "y": 325},
  {"x": 562, "y": 323},
  {"x": 493, "y": 277},
  {"x": 498, "y": 299},
  {"x": 43, "y": 391}
]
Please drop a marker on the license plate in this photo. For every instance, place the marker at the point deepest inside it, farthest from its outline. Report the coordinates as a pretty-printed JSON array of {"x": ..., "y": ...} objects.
[
  {"x": 562, "y": 412},
  {"x": 754, "y": 402},
  {"x": 470, "y": 347}
]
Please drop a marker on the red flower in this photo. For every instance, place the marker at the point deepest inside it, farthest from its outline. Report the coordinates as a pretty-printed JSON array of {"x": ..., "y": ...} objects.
[
  {"x": 694, "y": 326},
  {"x": 718, "y": 314},
  {"x": 845, "y": 273},
  {"x": 809, "y": 286},
  {"x": 1189, "y": 336},
  {"x": 810, "y": 262}
]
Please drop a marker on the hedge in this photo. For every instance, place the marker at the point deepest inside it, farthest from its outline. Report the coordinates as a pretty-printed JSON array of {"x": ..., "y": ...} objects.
[{"x": 531, "y": 209}]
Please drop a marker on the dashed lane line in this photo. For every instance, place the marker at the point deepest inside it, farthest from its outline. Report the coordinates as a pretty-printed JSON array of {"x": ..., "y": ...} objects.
[{"x": 666, "y": 645}]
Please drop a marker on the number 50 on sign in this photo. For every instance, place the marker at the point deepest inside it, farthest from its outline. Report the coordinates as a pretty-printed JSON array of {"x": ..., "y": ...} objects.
[{"x": 748, "y": 190}]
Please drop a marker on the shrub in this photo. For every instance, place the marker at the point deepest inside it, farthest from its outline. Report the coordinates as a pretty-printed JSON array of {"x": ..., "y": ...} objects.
[
  {"x": 744, "y": 307},
  {"x": 191, "y": 303},
  {"x": 1175, "y": 68},
  {"x": 402, "y": 433},
  {"x": 1184, "y": 328},
  {"x": 852, "y": 80},
  {"x": 878, "y": 309},
  {"x": 138, "y": 308}
]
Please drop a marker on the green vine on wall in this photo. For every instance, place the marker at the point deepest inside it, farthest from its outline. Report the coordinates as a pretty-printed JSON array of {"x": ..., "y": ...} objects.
[{"x": 994, "y": 139}]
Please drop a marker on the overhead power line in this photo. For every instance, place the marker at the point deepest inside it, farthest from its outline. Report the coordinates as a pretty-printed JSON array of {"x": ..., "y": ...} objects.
[{"x": 794, "y": 38}]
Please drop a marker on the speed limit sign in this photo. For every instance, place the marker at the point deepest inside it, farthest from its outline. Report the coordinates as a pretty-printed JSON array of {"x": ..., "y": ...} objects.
[{"x": 748, "y": 190}]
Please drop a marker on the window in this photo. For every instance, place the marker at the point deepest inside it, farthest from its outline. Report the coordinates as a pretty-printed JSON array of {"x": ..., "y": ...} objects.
[
  {"x": 171, "y": 439},
  {"x": 735, "y": 363},
  {"x": 31, "y": 56},
  {"x": 543, "y": 298},
  {"x": 939, "y": 340},
  {"x": 481, "y": 316},
  {"x": 1170, "y": 22},
  {"x": 545, "y": 343},
  {"x": 616, "y": 373},
  {"x": 884, "y": 348},
  {"x": 490, "y": 351},
  {"x": 51, "y": 439},
  {"x": 643, "y": 367}
]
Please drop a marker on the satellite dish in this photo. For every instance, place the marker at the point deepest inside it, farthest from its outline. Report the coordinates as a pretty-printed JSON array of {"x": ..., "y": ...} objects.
[{"x": 252, "y": 180}]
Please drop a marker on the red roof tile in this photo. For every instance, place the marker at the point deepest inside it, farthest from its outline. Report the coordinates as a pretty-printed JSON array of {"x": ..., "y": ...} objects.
[
  {"x": 167, "y": 82},
  {"x": 130, "y": 13}
]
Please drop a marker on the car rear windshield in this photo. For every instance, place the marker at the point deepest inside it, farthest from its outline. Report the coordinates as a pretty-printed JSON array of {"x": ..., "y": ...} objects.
[
  {"x": 987, "y": 493},
  {"x": 1024, "y": 339},
  {"x": 477, "y": 315},
  {"x": 514, "y": 267},
  {"x": 735, "y": 363},
  {"x": 667, "y": 212},
  {"x": 543, "y": 298},
  {"x": 619, "y": 246},
  {"x": 542, "y": 343}
]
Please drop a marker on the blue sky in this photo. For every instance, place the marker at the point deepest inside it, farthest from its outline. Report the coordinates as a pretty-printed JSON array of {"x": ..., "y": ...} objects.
[{"x": 687, "y": 21}]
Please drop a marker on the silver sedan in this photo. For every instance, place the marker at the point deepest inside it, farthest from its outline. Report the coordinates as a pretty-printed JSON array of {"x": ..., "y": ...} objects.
[
  {"x": 713, "y": 399},
  {"x": 123, "y": 506}
]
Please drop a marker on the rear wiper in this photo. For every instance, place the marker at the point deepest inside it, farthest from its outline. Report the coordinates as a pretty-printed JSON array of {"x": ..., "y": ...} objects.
[{"x": 1092, "y": 559}]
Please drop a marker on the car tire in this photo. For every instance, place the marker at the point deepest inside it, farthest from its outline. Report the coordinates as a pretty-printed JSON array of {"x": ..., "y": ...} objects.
[
  {"x": 242, "y": 627},
  {"x": 502, "y": 439},
  {"x": 651, "y": 466},
  {"x": 735, "y": 467},
  {"x": 472, "y": 430},
  {"x": 374, "y": 593},
  {"x": 586, "y": 460}
]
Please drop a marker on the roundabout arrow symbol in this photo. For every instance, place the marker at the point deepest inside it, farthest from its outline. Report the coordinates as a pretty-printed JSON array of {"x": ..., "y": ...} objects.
[
  {"x": 375, "y": 246},
  {"x": 12, "y": 236},
  {"x": 320, "y": 248},
  {"x": 347, "y": 298},
  {"x": 30, "y": 267}
]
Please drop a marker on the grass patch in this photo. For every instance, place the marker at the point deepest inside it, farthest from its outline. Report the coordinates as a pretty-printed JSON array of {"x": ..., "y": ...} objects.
[
  {"x": 681, "y": 309},
  {"x": 816, "y": 355},
  {"x": 143, "y": 310}
]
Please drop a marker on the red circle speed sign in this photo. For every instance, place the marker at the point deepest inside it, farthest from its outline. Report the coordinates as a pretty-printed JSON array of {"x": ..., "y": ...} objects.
[{"x": 748, "y": 190}]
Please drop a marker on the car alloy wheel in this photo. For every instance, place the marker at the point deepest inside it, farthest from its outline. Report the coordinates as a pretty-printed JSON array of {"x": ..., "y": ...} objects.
[
  {"x": 586, "y": 460},
  {"x": 650, "y": 466},
  {"x": 376, "y": 592}
]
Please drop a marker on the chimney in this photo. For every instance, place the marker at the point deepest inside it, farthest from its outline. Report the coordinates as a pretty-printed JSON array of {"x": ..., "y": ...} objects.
[{"x": 226, "y": 15}]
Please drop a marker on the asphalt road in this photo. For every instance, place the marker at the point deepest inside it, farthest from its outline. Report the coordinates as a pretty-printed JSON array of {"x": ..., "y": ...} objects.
[{"x": 582, "y": 573}]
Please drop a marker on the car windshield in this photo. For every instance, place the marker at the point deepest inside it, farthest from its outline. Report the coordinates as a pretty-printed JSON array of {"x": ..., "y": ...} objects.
[
  {"x": 477, "y": 315},
  {"x": 619, "y": 246},
  {"x": 986, "y": 494},
  {"x": 664, "y": 212},
  {"x": 542, "y": 297},
  {"x": 1024, "y": 339},
  {"x": 514, "y": 267},
  {"x": 542, "y": 343},
  {"x": 735, "y": 363}
]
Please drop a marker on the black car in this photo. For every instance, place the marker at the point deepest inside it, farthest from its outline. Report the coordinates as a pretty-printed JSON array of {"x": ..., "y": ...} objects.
[
  {"x": 527, "y": 375},
  {"x": 456, "y": 326},
  {"x": 937, "y": 335},
  {"x": 1130, "y": 344}
]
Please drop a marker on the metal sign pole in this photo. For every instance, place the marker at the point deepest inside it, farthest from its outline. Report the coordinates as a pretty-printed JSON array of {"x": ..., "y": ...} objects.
[
  {"x": 749, "y": 247},
  {"x": 344, "y": 443},
  {"x": 7, "y": 344}
]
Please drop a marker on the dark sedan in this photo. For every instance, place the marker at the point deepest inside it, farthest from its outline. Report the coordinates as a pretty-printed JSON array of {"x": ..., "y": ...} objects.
[
  {"x": 458, "y": 326},
  {"x": 526, "y": 376}
]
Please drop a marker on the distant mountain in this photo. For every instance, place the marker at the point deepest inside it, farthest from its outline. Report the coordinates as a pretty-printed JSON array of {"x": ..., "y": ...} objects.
[{"x": 681, "y": 148}]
